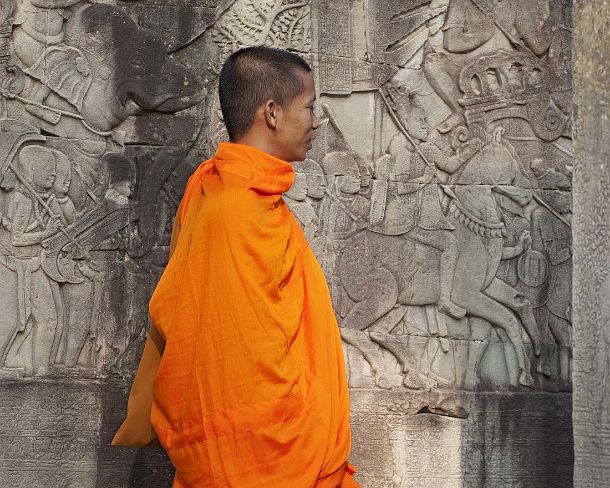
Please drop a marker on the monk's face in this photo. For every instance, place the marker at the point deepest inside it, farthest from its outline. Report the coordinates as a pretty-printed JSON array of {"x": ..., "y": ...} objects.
[{"x": 295, "y": 130}]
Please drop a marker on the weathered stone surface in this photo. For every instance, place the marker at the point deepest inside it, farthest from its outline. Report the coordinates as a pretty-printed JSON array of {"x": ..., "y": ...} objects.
[
  {"x": 503, "y": 442},
  {"x": 592, "y": 244},
  {"x": 437, "y": 198}
]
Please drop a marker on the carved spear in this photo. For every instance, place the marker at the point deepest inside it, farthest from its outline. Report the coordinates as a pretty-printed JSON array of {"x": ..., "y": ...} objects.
[{"x": 403, "y": 129}]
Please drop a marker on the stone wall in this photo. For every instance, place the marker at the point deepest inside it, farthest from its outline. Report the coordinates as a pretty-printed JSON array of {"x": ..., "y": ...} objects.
[
  {"x": 592, "y": 245},
  {"x": 437, "y": 198}
]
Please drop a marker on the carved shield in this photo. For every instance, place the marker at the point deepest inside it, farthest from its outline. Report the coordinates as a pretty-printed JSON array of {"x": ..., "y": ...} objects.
[{"x": 532, "y": 268}]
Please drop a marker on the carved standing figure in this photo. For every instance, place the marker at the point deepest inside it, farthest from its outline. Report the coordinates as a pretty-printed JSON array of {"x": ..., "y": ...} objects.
[
  {"x": 301, "y": 207},
  {"x": 552, "y": 237},
  {"x": 99, "y": 266},
  {"x": 30, "y": 224}
]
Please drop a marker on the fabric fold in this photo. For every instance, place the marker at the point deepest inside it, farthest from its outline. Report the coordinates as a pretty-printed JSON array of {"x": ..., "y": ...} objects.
[{"x": 250, "y": 388}]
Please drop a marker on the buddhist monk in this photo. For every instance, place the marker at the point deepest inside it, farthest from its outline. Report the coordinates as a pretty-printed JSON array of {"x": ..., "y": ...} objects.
[{"x": 242, "y": 378}]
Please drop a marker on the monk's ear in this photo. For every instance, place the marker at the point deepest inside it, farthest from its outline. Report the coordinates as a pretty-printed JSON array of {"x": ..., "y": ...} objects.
[{"x": 271, "y": 111}]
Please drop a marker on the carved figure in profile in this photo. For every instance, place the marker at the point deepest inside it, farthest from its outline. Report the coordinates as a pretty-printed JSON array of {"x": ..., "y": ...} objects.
[
  {"x": 63, "y": 177},
  {"x": 316, "y": 182},
  {"x": 552, "y": 279},
  {"x": 63, "y": 206},
  {"x": 98, "y": 266},
  {"x": 343, "y": 211},
  {"x": 296, "y": 199},
  {"x": 30, "y": 224},
  {"x": 407, "y": 186}
]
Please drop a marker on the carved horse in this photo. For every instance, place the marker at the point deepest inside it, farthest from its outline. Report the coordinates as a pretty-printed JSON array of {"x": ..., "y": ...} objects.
[{"x": 382, "y": 281}]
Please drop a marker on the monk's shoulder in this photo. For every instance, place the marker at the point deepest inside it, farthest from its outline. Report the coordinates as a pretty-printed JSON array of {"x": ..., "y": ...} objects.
[
  {"x": 231, "y": 199},
  {"x": 239, "y": 204}
]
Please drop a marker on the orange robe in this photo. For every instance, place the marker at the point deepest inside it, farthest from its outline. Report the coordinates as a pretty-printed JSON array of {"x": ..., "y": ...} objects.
[{"x": 251, "y": 389}]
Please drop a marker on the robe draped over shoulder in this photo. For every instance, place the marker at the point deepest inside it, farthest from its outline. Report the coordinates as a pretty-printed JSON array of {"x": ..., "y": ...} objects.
[{"x": 250, "y": 387}]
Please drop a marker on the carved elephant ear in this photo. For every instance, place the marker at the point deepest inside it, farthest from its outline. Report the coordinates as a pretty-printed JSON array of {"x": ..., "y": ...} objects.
[{"x": 99, "y": 28}]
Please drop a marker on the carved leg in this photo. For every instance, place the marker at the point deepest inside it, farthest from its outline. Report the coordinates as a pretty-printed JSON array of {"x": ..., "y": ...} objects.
[
  {"x": 545, "y": 364},
  {"x": 61, "y": 320},
  {"x": 44, "y": 315},
  {"x": 9, "y": 317},
  {"x": 481, "y": 305},
  {"x": 400, "y": 350},
  {"x": 445, "y": 242},
  {"x": 370, "y": 351},
  {"x": 443, "y": 75},
  {"x": 80, "y": 299},
  {"x": 480, "y": 335},
  {"x": 510, "y": 297},
  {"x": 561, "y": 330}
]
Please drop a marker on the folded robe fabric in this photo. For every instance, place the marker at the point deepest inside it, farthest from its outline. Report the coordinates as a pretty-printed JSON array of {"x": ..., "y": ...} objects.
[{"x": 250, "y": 389}]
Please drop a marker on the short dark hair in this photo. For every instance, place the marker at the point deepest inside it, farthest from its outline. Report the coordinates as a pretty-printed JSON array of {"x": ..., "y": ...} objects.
[{"x": 253, "y": 75}]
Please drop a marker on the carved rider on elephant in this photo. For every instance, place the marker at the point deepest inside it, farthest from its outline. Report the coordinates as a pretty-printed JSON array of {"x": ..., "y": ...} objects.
[
  {"x": 476, "y": 28},
  {"x": 101, "y": 68}
]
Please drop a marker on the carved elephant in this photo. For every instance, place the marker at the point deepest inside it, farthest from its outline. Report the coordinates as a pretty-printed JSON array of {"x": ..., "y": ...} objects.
[{"x": 109, "y": 68}]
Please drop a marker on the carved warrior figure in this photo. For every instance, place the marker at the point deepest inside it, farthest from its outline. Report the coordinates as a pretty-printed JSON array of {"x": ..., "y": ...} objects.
[
  {"x": 30, "y": 224},
  {"x": 553, "y": 239},
  {"x": 492, "y": 171},
  {"x": 343, "y": 211},
  {"x": 99, "y": 265},
  {"x": 296, "y": 199},
  {"x": 472, "y": 205},
  {"x": 406, "y": 198}
]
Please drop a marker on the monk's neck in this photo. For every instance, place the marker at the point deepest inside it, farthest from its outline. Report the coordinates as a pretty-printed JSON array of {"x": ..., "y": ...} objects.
[{"x": 262, "y": 143}]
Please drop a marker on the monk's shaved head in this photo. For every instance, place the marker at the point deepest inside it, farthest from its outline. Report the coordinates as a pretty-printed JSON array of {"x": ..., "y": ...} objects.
[{"x": 250, "y": 77}]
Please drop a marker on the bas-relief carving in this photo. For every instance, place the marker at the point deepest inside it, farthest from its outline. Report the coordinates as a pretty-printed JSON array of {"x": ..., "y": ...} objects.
[
  {"x": 74, "y": 206},
  {"x": 446, "y": 235},
  {"x": 437, "y": 196},
  {"x": 284, "y": 24}
]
